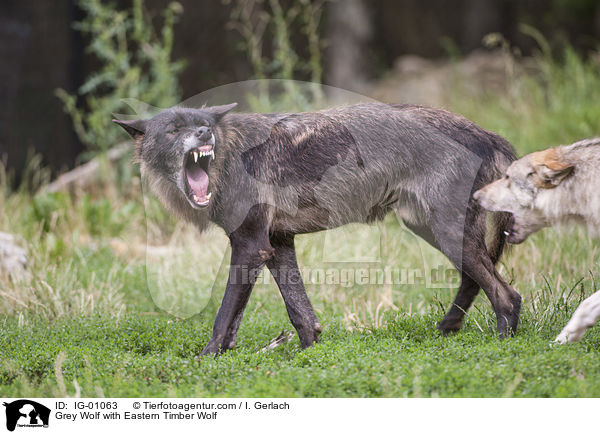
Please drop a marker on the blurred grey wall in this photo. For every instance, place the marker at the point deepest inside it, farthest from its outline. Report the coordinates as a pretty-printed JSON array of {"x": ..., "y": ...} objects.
[{"x": 39, "y": 53}]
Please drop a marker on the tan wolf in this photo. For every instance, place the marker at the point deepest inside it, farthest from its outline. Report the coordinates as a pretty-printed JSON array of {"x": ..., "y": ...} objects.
[{"x": 552, "y": 187}]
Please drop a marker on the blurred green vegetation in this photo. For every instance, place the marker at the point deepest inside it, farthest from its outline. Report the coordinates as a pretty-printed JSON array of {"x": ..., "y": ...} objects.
[
  {"x": 134, "y": 63},
  {"x": 253, "y": 21},
  {"x": 554, "y": 103}
]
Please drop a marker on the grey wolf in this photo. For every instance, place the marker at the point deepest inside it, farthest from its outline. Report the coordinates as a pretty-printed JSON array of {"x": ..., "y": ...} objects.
[
  {"x": 552, "y": 187},
  {"x": 265, "y": 178}
]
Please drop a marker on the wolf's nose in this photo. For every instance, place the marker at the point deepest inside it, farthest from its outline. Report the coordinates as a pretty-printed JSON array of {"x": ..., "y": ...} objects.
[
  {"x": 203, "y": 133},
  {"x": 477, "y": 195}
]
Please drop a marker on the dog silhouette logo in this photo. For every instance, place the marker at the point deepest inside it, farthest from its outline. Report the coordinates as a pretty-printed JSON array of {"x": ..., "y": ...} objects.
[{"x": 26, "y": 413}]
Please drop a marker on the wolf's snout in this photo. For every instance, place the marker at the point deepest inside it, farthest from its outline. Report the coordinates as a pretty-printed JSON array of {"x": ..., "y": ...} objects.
[
  {"x": 477, "y": 195},
  {"x": 203, "y": 133}
]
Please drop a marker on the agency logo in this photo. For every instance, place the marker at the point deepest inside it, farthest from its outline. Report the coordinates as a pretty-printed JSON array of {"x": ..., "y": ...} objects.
[{"x": 26, "y": 413}]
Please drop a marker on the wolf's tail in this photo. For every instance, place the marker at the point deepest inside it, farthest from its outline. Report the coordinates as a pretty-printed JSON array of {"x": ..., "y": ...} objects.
[
  {"x": 497, "y": 241},
  {"x": 498, "y": 161}
]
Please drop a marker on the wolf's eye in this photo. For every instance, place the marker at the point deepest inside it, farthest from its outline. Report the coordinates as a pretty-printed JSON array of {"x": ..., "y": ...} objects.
[
  {"x": 174, "y": 131},
  {"x": 506, "y": 177}
]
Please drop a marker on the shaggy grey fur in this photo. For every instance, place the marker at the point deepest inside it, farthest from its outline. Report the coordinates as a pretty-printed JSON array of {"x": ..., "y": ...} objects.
[{"x": 278, "y": 175}]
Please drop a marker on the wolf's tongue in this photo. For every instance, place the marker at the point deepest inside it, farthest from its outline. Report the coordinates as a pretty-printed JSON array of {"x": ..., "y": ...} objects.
[{"x": 198, "y": 180}]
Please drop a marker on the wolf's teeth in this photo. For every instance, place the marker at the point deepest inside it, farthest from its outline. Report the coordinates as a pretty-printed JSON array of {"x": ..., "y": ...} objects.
[
  {"x": 212, "y": 154},
  {"x": 506, "y": 233},
  {"x": 208, "y": 195},
  {"x": 195, "y": 157}
]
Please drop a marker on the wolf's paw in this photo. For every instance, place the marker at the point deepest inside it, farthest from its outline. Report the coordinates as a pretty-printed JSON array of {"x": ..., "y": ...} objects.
[
  {"x": 309, "y": 335},
  {"x": 213, "y": 349},
  {"x": 449, "y": 325},
  {"x": 567, "y": 336}
]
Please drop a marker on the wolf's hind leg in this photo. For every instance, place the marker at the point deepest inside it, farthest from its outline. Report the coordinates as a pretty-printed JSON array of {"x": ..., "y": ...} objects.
[
  {"x": 469, "y": 289},
  {"x": 506, "y": 302},
  {"x": 284, "y": 267},
  {"x": 472, "y": 258},
  {"x": 467, "y": 292},
  {"x": 585, "y": 316}
]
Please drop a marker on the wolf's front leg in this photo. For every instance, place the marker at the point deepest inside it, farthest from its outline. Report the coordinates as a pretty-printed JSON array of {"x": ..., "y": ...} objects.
[
  {"x": 248, "y": 255},
  {"x": 585, "y": 316},
  {"x": 284, "y": 267}
]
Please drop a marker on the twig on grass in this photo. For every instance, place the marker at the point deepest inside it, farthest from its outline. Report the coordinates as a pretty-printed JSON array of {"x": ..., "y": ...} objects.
[{"x": 283, "y": 338}]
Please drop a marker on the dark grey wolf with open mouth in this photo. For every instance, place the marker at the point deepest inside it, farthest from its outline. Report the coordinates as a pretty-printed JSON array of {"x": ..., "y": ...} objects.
[{"x": 265, "y": 178}]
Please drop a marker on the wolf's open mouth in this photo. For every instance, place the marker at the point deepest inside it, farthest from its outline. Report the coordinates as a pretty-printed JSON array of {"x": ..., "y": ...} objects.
[
  {"x": 511, "y": 226},
  {"x": 511, "y": 235},
  {"x": 196, "y": 172}
]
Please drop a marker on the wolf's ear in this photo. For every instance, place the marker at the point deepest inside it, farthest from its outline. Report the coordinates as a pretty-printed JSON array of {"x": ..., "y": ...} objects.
[
  {"x": 135, "y": 128},
  {"x": 221, "y": 110},
  {"x": 550, "y": 177},
  {"x": 550, "y": 168}
]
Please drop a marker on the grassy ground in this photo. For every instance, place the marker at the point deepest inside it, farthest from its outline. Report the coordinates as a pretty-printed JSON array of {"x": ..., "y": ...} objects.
[{"x": 101, "y": 315}]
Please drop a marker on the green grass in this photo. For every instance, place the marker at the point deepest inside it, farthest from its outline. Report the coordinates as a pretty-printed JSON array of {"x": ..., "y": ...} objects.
[
  {"x": 92, "y": 319},
  {"x": 154, "y": 356}
]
